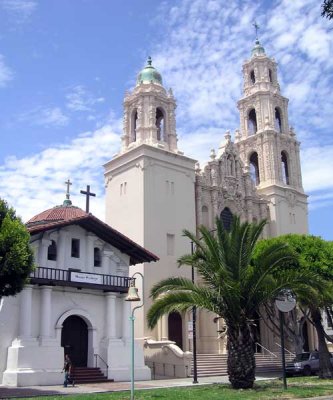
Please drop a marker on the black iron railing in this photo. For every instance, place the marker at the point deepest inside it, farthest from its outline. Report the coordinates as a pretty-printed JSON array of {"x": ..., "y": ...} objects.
[{"x": 79, "y": 279}]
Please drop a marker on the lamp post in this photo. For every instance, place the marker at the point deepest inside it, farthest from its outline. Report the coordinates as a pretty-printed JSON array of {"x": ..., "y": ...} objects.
[
  {"x": 194, "y": 327},
  {"x": 134, "y": 296},
  {"x": 285, "y": 302}
]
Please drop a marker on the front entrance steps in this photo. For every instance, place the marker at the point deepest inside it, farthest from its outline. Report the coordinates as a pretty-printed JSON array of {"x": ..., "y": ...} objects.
[
  {"x": 216, "y": 364},
  {"x": 88, "y": 375}
]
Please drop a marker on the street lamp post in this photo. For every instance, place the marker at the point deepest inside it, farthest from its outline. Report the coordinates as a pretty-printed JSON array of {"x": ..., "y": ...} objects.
[
  {"x": 284, "y": 303},
  {"x": 134, "y": 296},
  {"x": 194, "y": 322}
]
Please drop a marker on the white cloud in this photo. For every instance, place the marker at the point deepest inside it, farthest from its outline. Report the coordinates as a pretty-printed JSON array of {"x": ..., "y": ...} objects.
[
  {"x": 79, "y": 99},
  {"x": 47, "y": 117},
  {"x": 6, "y": 73},
  {"x": 19, "y": 10},
  {"x": 36, "y": 183}
]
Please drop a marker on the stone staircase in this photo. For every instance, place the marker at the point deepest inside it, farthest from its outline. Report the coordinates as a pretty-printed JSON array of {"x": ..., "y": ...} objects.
[
  {"x": 88, "y": 375},
  {"x": 216, "y": 364}
]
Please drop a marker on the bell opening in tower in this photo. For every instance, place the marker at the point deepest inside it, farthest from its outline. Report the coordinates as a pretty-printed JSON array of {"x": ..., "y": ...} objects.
[
  {"x": 160, "y": 125},
  {"x": 285, "y": 169},
  {"x": 252, "y": 124},
  {"x": 254, "y": 168},
  {"x": 278, "y": 122}
]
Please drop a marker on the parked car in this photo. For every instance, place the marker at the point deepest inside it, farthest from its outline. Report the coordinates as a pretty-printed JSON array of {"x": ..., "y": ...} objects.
[{"x": 304, "y": 364}]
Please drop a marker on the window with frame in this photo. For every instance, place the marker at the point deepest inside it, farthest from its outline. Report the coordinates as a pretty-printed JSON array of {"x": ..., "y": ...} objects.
[
  {"x": 75, "y": 251},
  {"x": 97, "y": 257},
  {"x": 52, "y": 251}
]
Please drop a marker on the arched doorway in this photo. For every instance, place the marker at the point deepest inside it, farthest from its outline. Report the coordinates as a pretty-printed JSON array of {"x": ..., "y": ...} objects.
[
  {"x": 175, "y": 328},
  {"x": 74, "y": 340}
]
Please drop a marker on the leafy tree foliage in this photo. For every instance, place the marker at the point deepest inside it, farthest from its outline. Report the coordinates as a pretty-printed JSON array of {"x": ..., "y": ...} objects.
[
  {"x": 234, "y": 287},
  {"x": 314, "y": 255},
  {"x": 327, "y": 9},
  {"x": 16, "y": 258}
]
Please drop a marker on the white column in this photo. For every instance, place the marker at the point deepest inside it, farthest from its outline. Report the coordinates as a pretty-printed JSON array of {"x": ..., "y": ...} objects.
[
  {"x": 62, "y": 246},
  {"x": 110, "y": 316},
  {"x": 45, "y": 314},
  {"x": 164, "y": 327},
  {"x": 25, "y": 312},
  {"x": 42, "y": 256},
  {"x": 126, "y": 322},
  {"x": 90, "y": 253}
]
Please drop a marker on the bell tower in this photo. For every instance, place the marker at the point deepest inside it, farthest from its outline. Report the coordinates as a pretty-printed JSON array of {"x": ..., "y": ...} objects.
[
  {"x": 150, "y": 195},
  {"x": 149, "y": 113},
  {"x": 268, "y": 145}
]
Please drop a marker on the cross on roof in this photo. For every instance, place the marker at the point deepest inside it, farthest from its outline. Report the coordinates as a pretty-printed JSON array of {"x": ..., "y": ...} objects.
[
  {"x": 68, "y": 183},
  {"x": 88, "y": 194},
  {"x": 256, "y": 27}
]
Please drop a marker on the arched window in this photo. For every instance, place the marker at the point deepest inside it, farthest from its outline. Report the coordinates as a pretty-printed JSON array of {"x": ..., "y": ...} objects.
[
  {"x": 252, "y": 125},
  {"x": 160, "y": 124},
  {"x": 52, "y": 251},
  {"x": 285, "y": 169},
  {"x": 97, "y": 257},
  {"x": 226, "y": 218},
  {"x": 134, "y": 124},
  {"x": 205, "y": 217},
  {"x": 270, "y": 75},
  {"x": 254, "y": 168},
  {"x": 278, "y": 121},
  {"x": 252, "y": 77}
]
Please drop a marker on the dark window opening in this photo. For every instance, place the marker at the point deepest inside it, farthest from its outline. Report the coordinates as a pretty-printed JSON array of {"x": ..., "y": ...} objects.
[
  {"x": 97, "y": 257},
  {"x": 252, "y": 77},
  {"x": 278, "y": 123},
  {"x": 160, "y": 124},
  {"x": 134, "y": 124},
  {"x": 52, "y": 251},
  {"x": 75, "y": 248},
  {"x": 270, "y": 75},
  {"x": 254, "y": 168},
  {"x": 252, "y": 125},
  {"x": 226, "y": 218},
  {"x": 285, "y": 170},
  {"x": 175, "y": 328}
]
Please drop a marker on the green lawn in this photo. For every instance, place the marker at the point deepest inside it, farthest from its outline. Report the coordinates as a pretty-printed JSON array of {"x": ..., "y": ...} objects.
[{"x": 297, "y": 388}]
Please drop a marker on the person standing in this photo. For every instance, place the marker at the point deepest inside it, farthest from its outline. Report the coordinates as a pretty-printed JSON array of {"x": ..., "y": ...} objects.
[{"x": 68, "y": 369}]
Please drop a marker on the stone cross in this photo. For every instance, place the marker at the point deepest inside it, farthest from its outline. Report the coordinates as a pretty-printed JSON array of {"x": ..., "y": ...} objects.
[
  {"x": 68, "y": 184},
  {"x": 88, "y": 194}
]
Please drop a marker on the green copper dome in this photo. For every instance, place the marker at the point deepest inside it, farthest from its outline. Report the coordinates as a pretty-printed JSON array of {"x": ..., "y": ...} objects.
[
  {"x": 149, "y": 74},
  {"x": 258, "y": 50}
]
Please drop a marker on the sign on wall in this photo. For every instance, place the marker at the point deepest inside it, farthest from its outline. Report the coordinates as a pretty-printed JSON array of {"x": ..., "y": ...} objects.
[{"x": 86, "y": 278}]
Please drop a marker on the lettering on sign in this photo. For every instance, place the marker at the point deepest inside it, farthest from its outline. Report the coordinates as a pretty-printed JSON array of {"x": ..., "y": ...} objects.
[{"x": 86, "y": 278}]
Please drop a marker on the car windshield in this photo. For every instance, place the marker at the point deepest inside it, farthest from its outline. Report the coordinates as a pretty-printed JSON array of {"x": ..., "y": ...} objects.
[{"x": 301, "y": 357}]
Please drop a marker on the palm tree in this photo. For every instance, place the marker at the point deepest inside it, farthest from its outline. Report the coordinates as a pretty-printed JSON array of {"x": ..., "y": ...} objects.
[{"x": 233, "y": 287}]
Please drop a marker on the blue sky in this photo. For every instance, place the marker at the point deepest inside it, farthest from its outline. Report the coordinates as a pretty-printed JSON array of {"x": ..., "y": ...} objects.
[{"x": 65, "y": 66}]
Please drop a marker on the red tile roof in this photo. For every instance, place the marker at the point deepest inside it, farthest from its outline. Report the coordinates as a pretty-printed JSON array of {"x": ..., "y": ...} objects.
[{"x": 65, "y": 215}]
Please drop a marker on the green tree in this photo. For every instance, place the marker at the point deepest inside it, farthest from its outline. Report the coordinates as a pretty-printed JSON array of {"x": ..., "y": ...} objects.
[
  {"x": 16, "y": 258},
  {"x": 314, "y": 255},
  {"x": 234, "y": 287},
  {"x": 327, "y": 9}
]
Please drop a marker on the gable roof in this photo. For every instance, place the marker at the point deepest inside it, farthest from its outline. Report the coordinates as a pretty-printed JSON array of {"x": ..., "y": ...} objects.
[{"x": 61, "y": 216}]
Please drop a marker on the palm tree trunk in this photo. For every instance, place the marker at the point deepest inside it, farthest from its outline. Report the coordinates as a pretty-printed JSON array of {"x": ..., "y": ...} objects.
[
  {"x": 325, "y": 366},
  {"x": 241, "y": 360}
]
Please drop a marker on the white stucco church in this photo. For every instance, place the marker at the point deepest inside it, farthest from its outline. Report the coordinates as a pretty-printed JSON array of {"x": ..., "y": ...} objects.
[{"x": 75, "y": 300}]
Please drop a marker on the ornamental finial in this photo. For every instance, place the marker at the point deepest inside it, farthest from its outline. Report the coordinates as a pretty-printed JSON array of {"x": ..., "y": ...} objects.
[{"x": 149, "y": 61}]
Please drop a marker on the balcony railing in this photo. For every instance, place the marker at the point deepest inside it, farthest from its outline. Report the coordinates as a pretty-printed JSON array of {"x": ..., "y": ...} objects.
[{"x": 79, "y": 279}]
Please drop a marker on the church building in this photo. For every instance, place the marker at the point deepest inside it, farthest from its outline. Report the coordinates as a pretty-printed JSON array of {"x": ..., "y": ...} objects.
[
  {"x": 154, "y": 190},
  {"x": 74, "y": 303}
]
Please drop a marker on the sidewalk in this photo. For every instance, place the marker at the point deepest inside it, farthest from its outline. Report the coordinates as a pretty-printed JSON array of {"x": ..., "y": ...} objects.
[{"x": 32, "y": 391}]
